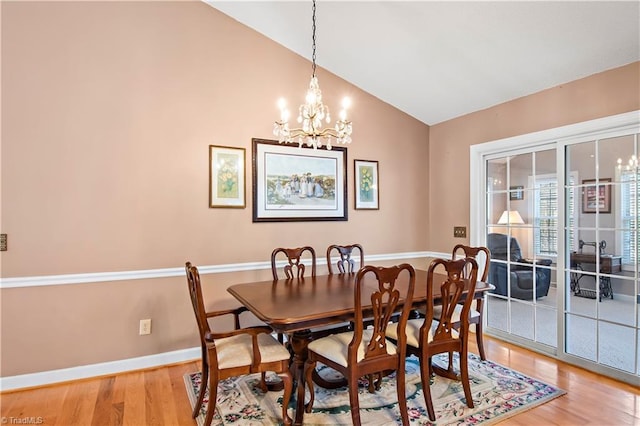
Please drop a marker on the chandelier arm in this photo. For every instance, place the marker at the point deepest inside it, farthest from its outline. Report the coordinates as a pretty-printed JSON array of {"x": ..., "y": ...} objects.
[{"x": 317, "y": 134}]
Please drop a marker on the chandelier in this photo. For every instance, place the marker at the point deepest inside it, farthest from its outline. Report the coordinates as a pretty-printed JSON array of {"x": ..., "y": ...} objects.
[
  {"x": 631, "y": 164},
  {"x": 313, "y": 113}
]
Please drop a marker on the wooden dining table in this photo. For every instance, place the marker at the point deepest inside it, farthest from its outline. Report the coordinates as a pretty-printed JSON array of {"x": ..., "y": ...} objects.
[{"x": 297, "y": 306}]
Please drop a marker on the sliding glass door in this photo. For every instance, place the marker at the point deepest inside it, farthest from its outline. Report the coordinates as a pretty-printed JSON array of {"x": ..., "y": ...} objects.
[{"x": 559, "y": 212}]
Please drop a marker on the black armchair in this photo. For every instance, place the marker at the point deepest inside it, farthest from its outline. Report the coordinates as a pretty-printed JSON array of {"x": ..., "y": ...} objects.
[{"x": 522, "y": 280}]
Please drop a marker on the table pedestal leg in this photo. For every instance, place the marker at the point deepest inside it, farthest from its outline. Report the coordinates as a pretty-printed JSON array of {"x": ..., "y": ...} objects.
[{"x": 299, "y": 342}]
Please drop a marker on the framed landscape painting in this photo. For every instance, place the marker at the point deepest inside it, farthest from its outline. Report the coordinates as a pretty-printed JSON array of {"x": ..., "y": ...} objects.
[
  {"x": 226, "y": 177},
  {"x": 298, "y": 184},
  {"x": 366, "y": 185}
]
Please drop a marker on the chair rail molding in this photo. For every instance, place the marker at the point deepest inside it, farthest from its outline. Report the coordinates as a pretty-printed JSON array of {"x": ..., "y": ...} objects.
[{"x": 96, "y": 277}]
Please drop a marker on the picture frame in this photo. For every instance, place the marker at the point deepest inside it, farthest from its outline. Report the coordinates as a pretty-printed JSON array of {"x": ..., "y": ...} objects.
[
  {"x": 365, "y": 186},
  {"x": 295, "y": 184},
  {"x": 227, "y": 171},
  {"x": 596, "y": 199},
  {"x": 516, "y": 193}
]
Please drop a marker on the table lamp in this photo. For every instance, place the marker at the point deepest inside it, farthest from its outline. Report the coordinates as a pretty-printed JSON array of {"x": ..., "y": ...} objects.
[{"x": 510, "y": 217}]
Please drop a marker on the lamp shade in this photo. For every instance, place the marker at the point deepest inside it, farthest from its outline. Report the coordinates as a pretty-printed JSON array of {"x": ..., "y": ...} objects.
[{"x": 510, "y": 217}]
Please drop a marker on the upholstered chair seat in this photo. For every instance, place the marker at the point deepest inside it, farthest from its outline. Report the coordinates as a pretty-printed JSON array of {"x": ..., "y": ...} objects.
[
  {"x": 413, "y": 332},
  {"x": 236, "y": 350},
  {"x": 437, "y": 311},
  {"x": 335, "y": 346}
]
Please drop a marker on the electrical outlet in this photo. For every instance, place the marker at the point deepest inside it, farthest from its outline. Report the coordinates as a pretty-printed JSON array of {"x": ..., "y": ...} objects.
[
  {"x": 3, "y": 242},
  {"x": 460, "y": 232},
  {"x": 145, "y": 326}
]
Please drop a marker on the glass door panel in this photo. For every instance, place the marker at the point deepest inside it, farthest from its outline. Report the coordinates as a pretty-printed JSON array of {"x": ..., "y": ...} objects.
[
  {"x": 610, "y": 352},
  {"x": 522, "y": 236},
  {"x": 580, "y": 336},
  {"x": 522, "y": 320},
  {"x": 601, "y": 307},
  {"x": 546, "y": 322}
]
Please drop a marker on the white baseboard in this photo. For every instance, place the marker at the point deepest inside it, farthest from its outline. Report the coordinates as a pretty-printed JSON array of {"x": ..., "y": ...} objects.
[{"x": 95, "y": 370}]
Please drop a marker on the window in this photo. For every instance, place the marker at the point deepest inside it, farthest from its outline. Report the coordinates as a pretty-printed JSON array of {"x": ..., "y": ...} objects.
[
  {"x": 545, "y": 208},
  {"x": 629, "y": 198}
]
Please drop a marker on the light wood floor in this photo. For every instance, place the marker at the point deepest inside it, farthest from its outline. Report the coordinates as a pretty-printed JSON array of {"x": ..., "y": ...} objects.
[{"x": 158, "y": 397}]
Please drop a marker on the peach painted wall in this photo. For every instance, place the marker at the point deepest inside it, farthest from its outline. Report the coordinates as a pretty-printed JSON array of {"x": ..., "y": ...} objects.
[
  {"x": 608, "y": 93},
  {"x": 107, "y": 113},
  {"x": 108, "y": 109}
]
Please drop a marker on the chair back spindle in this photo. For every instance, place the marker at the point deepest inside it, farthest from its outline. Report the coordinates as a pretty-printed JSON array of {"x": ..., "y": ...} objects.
[
  {"x": 456, "y": 289},
  {"x": 294, "y": 267},
  {"x": 345, "y": 263}
]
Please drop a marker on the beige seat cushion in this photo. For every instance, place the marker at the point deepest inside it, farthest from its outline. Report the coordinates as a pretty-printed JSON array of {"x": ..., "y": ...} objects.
[
  {"x": 457, "y": 311},
  {"x": 237, "y": 350},
  {"x": 412, "y": 330},
  {"x": 335, "y": 347}
]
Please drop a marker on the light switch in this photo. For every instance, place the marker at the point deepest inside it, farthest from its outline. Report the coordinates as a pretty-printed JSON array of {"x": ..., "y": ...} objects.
[{"x": 460, "y": 232}]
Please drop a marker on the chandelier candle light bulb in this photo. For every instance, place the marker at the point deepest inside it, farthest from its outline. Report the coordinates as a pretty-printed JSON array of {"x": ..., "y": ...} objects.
[
  {"x": 312, "y": 113},
  {"x": 632, "y": 164}
]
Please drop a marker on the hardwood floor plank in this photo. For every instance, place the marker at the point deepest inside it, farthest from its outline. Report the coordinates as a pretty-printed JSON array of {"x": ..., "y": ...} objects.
[
  {"x": 158, "y": 384},
  {"x": 51, "y": 402},
  {"x": 104, "y": 402},
  {"x": 134, "y": 400},
  {"x": 117, "y": 401},
  {"x": 10, "y": 403},
  {"x": 79, "y": 405},
  {"x": 153, "y": 399},
  {"x": 180, "y": 399}
]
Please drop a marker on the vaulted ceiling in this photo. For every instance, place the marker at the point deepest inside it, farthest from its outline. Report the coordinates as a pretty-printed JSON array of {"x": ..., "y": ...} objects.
[{"x": 437, "y": 60}]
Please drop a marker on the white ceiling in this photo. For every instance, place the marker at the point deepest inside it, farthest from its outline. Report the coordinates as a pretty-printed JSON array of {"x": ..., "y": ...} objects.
[{"x": 437, "y": 60}]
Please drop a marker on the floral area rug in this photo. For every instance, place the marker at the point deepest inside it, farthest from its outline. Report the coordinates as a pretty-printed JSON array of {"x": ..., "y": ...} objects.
[{"x": 498, "y": 393}]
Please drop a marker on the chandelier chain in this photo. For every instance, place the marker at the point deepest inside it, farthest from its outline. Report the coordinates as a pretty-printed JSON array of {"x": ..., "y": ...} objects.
[{"x": 313, "y": 40}]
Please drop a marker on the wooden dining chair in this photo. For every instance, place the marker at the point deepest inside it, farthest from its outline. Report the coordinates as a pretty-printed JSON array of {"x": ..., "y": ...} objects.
[
  {"x": 294, "y": 267},
  {"x": 428, "y": 337},
  {"x": 364, "y": 352},
  {"x": 234, "y": 353},
  {"x": 346, "y": 263},
  {"x": 482, "y": 255}
]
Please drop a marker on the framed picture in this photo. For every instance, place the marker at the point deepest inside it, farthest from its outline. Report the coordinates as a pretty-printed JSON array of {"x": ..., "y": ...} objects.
[
  {"x": 516, "y": 193},
  {"x": 298, "y": 184},
  {"x": 226, "y": 177},
  {"x": 366, "y": 184},
  {"x": 596, "y": 199}
]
